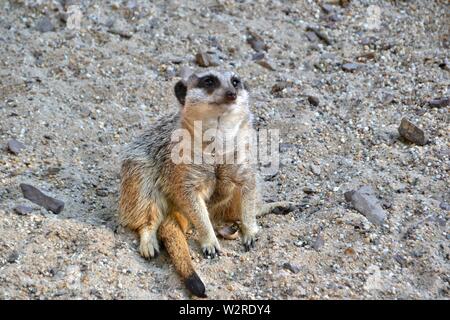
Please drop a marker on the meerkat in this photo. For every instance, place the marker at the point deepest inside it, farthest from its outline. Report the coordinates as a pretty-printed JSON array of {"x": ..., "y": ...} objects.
[{"x": 158, "y": 197}]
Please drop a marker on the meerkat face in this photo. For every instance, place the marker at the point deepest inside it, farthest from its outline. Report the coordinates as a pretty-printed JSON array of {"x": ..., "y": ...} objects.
[{"x": 219, "y": 90}]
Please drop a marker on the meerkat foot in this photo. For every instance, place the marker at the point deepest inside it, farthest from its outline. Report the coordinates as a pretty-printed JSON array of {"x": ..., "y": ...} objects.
[
  {"x": 211, "y": 249},
  {"x": 149, "y": 246}
]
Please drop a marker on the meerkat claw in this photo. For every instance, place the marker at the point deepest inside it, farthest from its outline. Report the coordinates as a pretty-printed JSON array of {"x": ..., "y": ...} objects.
[
  {"x": 210, "y": 252},
  {"x": 249, "y": 243}
]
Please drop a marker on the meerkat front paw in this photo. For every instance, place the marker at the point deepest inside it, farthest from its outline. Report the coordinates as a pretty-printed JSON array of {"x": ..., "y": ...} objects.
[
  {"x": 249, "y": 238},
  {"x": 149, "y": 246},
  {"x": 248, "y": 241},
  {"x": 211, "y": 249}
]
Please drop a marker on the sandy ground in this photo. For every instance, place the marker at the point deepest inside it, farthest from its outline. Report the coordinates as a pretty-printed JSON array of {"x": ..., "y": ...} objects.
[{"x": 75, "y": 96}]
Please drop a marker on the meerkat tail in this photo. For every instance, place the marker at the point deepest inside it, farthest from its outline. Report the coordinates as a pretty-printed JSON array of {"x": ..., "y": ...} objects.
[
  {"x": 283, "y": 206},
  {"x": 173, "y": 237}
]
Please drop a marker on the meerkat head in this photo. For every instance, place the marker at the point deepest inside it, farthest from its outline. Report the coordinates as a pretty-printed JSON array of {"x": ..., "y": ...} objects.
[{"x": 216, "y": 91}]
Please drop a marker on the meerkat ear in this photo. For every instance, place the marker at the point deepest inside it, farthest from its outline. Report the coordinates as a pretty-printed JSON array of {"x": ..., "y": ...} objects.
[{"x": 180, "y": 91}]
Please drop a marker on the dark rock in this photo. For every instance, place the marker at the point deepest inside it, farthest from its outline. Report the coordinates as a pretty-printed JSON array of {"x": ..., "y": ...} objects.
[
  {"x": 318, "y": 243},
  {"x": 314, "y": 101},
  {"x": 280, "y": 86},
  {"x": 15, "y": 146},
  {"x": 291, "y": 267},
  {"x": 321, "y": 35},
  {"x": 439, "y": 103},
  {"x": 348, "y": 195},
  {"x": 204, "y": 59},
  {"x": 256, "y": 41},
  {"x": 13, "y": 256},
  {"x": 258, "y": 56},
  {"x": 282, "y": 210},
  {"x": 22, "y": 210},
  {"x": 365, "y": 201},
  {"x": 35, "y": 195},
  {"x": 312, "y": 36},
  {"x": 400, "y": 259},
  {"x": 445, "y": 206},
  {"x": 101, "y": 192},
  {"x": 412, "y": 133},
  {"x": 351, "y": 67},
  {"x": 309, "y": 190},
  {"x": 45, "y": 25}
]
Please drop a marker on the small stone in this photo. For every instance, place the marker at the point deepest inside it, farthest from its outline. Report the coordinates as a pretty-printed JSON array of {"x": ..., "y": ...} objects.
[
  {"x": 315, "y": 169},
  {"x": 283, "y": 210},
  {"x": 22, "y": 210},
  {"x": 318, "y": 243},
  {"x": 350, "y": 67},
  {"x": 439, "y": 103},
  {"x": 322, "y": 36},
  {"x": 412, "y": 133},
  {"x": 204, "y": 59},
  {"x": 256, "y": 41},
  {"x": 309, "y": 190},
  {"x": 35, "y": 195},
  {"x": 258, "y": 56},
  {"x": 400, "y": 259},
  {"x": 312, "y": 36},
  {"x": 365, "y": 202},
  {"x": 280, "y": 86},
  {"x": 15, "y": 146},
  {"x": 349, "y": 251},
  {"x": 45, "y": 25},
  {"x": 266, "y": 64},
  {"x": 120, "y": 28},
  {"x": 291, "y": 267},
  {"x": 387, "y": 99},
  {"x": 13, "y": 256},
  {"x": 101, "y": 192},
  {"x": 314, "y": 101}
]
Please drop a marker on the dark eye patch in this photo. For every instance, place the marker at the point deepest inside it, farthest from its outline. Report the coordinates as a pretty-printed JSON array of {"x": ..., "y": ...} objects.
[{"x": 209, "y": 83}]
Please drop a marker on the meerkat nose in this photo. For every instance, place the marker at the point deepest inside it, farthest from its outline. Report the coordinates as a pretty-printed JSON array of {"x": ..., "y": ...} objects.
[{"x": 230, "y": 95}]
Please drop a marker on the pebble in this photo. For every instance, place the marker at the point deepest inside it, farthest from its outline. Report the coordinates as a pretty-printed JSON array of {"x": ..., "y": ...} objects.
[
  {"x": 439, "y": 103},
  {"x": 318, "y": 243},
  {"x": 266, "y": 64},
  {"x": 101, "y": 192},
  {"x": 315, "y": 169},
  {"x": 444, "y": 206},
  {"x": 13, "y": 256},
  {"x": 350, "y": 67},
  {"x": 229, "y": 232},
  {"x": 204, "y": 59},
  {"x": 45, "y": 25},
  {"x": 321, "y": 35},
  {"x": 314, "y": 101},
  {"x": 412, "y": 133},
  {"x": 256, "y": 41},
  {"x": 291, "y": 267},
  {"x": 35, "y": 195},
  {"x": 15, "y": 146},
  {"x": 365, "y": 201},
  {"x": 22, "y": 210}
]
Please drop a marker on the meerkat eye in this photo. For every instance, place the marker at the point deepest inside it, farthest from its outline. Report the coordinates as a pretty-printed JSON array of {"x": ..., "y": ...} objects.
[{"x": 235, "y": 82}]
